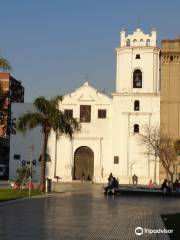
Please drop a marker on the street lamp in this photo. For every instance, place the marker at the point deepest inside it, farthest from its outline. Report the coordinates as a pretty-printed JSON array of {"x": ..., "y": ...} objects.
[{"x": 30, "y": 172}]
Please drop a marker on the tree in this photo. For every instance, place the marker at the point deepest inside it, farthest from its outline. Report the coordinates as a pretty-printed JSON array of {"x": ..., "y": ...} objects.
[
  {"x": 168, "y": 155},
  {"x": 23, "y": 174},
  {"x": 49, "y": 118},
  {"x": 161, "y": 146},
  {"x": 177, "y": 150},
  {"x": 4, "y": 64}
]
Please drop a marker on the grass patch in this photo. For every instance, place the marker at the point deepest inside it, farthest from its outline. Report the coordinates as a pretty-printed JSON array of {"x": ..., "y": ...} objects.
[
  {"x": 171, "y": 221},
  {"x": 12, "y": 194}
]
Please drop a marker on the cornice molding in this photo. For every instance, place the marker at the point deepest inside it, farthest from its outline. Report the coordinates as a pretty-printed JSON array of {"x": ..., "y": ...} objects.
[{"x": 136, "y": 94}]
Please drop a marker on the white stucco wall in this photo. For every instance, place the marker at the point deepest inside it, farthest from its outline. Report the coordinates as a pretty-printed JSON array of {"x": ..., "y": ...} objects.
[
  {"x": 138, "y": 38},
  {"x": 148, "y": 64},
  {"x": 96, "y": 135},
  {"x": 126, "y": 143}
]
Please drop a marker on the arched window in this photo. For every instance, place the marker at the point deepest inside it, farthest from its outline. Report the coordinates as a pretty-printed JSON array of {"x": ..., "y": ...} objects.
[
  {"x": 141, "y": 42},
  {"x": 136, "y": 105},
  {"x": 134, "y": 40},
  {"x": 137, "y": 79},
  {"x": 128, "y": 42},
  {"x": 148, "y": 42},
  {"x": 136, "y": 128}
]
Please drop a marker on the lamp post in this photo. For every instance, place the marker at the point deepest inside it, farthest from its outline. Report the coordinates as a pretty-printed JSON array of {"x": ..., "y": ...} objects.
[{"x": 30, "y": 172}]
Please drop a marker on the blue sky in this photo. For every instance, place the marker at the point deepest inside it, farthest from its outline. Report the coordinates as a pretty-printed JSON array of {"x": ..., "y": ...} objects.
[{"x": 53, "y": 45}]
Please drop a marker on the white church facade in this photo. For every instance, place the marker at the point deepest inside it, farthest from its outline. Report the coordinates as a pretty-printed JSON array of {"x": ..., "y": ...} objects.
[{"x": 110, "y": 126}]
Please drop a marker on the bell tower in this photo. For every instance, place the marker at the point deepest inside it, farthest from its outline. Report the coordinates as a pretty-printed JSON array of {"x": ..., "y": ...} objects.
[
  {"x": 136, "y": 103},
  {"x": 137, "y": 67}
]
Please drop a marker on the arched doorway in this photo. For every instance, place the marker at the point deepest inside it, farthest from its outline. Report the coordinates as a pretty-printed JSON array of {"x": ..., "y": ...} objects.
[{"x": 83, "y": 163}]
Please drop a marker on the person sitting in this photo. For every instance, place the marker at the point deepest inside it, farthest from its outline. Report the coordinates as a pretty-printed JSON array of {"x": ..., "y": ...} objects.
[
  {"x": 169, "y": 187},
  {"x": 112, "y": 184},
  {"x": 111, "y": 176},
  {"x": 115, "y": 183},
  {"x": 176, "y": 186},
  {"x": 109, "y": 186}
]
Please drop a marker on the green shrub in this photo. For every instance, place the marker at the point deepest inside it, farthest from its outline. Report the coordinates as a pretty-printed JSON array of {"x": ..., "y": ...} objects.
[{"x": 23, "y": 174}]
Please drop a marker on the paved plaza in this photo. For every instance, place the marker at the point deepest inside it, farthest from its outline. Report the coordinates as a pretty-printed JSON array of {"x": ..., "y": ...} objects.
[{"x": 81, "y": 211}]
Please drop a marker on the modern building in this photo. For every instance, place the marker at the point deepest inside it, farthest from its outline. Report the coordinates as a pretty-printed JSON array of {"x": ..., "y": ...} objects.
[
  {"x": 110, "y": 126},
  {"x": 14, "y": 93},
  {"x": 170, "y": 89}
]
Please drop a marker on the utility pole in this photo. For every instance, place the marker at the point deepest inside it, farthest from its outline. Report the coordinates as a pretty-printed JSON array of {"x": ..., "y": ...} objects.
[{"x": 30, "y": 172}]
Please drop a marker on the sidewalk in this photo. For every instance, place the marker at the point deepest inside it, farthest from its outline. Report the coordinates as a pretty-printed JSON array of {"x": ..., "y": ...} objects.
[{"x": 82, "y": 212}]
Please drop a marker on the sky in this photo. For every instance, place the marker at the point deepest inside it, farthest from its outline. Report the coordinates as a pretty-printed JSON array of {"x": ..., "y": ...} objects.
[{"x": 54, "y": 46}]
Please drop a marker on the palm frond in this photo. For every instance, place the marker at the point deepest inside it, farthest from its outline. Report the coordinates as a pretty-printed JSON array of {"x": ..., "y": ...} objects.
[
  {"x": 42, "y": 104},
  {"x": 29, "y": 121},
  {"x": 5, "y": 65},
  {"x": 65, "y": 125},
  {"x": 55, "y": 100}
]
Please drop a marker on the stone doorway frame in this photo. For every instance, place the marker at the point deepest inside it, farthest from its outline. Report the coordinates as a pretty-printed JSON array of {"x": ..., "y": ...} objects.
[{"x": 91, "y": 157}]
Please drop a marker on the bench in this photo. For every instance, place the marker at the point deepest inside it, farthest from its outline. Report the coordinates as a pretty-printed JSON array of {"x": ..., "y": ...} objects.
[
  {"x": 141, "y": 191},
  {"x": 138, "y": 191}
]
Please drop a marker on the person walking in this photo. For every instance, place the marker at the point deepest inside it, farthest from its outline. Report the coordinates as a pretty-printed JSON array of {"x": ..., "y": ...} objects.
[
  {"x": 164, "y": 187},
  {"x": 82, "y": 177},
  {"x": 134, "y": 180}
]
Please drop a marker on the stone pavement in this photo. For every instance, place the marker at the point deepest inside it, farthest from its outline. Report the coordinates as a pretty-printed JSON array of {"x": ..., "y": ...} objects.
[{"x": 82, "y": 212}]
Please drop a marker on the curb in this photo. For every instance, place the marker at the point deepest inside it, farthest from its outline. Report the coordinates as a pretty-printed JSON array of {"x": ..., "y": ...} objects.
[{"x": 23, "y": 199}]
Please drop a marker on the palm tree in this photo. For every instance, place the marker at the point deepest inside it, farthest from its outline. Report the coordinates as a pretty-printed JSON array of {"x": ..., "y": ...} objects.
[
  {"x": 4, "y": 64},
  {"x": 49, "y": 118}
]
